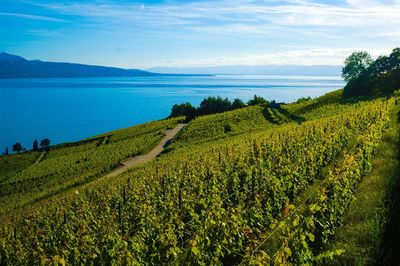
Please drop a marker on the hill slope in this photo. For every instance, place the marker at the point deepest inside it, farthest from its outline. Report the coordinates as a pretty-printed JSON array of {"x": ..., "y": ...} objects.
[
  {"x": 12, "y": 66},
  {"x": 71, "y": 164},
  {"x": 265, "y": 187}
]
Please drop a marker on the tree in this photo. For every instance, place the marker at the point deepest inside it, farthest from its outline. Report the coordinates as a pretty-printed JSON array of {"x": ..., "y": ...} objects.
[
  {"x": 381, "y": 77},
  {"x": 384, "y": 74},
  {"x": 213, "y": 105},
  {"x": 303, "y": 99},
  {"x": 358, "y": 87},
  {"x": 237, "y": 104},
  {"x": 184, "y": 109},
  {"x": 45, "y": 143},
  {"x": 35, "y": 145},
  {"x": 6, "y": 153},
  {"x": 17, "y": 147},
  {"x": 257, "y": 100},
  {"x": 274, "y": 105},
  {"x": 356, "y": 64}
]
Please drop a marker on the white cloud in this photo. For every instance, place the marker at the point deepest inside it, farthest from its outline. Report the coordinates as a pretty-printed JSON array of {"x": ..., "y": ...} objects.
[
  {"x": 289, "y": 13},
  {"x": 323, "y": 56},
  {"x": 301, "y": 23},
  {"x": 239, "y": 18},
  {"x": 30, "y": 16}
]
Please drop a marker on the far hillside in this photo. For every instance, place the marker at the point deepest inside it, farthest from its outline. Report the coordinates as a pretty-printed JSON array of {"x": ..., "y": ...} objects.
[{"x": 13, "y": 66}]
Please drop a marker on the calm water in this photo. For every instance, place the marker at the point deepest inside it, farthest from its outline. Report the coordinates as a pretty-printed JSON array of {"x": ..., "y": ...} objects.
[{"x": 72, "y": 109}]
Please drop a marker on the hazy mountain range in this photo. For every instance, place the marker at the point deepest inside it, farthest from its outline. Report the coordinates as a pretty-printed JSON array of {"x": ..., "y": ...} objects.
[
  {"x": 13, "y": 66},
  {"x": 288, "y": 70}
]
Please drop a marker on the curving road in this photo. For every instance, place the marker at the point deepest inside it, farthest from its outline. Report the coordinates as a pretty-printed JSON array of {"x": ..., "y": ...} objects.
[{"x": 169, "y": 135}]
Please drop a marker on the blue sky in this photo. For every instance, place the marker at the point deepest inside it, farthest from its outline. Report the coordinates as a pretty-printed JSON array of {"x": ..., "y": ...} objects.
[{"x": 144, "y": 34}]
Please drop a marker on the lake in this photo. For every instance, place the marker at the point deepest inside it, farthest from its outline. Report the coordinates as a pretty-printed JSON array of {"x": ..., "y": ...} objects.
[{"x": 71, "y": 109}]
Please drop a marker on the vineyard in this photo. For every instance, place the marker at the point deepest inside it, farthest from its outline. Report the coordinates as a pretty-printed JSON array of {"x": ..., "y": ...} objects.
[
  {"x": 68, "y": 166},
  {"x": 219, "y": 126},
  {"x": 11, "y": 165},
  {"x": 253, "y": 186}
]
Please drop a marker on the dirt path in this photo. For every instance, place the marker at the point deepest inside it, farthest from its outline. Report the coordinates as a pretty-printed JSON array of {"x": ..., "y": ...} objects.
[{"x": 169, "y": 135}]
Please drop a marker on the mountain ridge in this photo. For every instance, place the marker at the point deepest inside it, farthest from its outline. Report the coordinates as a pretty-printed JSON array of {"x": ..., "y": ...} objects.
[{"x": 14, "y": 66}]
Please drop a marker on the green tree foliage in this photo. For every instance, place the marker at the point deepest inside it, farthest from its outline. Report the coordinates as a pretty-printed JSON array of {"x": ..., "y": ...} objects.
[
  {"x": 381, "y": 77},
  {"x": 356, "y": 64},
  {"x": 257, "y": 100},
  {"x": 384, "y": 73},
  {"x": 45, "y": 143},
  {"x": 303, "y": 99},
  {"x": 184, "y": 109},
  {"x": 213, "y": 105},
  {"x": 17, "y": 147},
  {"x": 210, "y": 105},
  {"x": 237, "y": 104},
  {"x": 35, "y": 145}
]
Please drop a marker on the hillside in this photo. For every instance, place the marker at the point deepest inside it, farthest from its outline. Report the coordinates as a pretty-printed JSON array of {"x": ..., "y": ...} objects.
[
  {"x": 253, "y": 186},
  {"x": 36, "y": 176},
  {"x": 12, "y": 66}
]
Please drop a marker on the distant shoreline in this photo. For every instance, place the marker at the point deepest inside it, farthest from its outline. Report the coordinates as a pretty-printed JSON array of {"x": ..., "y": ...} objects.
[
  {"x": 16, "y": 67},
  {"x": 132, "y": 76}
]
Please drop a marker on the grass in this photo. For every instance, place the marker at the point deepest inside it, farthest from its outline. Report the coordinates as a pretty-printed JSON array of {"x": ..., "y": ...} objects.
[{"x": 364, "y": 222}]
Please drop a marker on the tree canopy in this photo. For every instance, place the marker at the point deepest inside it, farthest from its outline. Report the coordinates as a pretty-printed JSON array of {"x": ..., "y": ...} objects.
[
  {"x": 356, "y": 64},
  {"x": 17, "y": 147},
  {"x": 380, "y": 77},
  {"x": 45, "y": 143},
  {"x": 35, "y": 145},
  {"x": 237, "y": 104},
  {"x": 213, "y": 105},
  {"x": 257, "y": 100},
  {"x": 184, "y": 109}
]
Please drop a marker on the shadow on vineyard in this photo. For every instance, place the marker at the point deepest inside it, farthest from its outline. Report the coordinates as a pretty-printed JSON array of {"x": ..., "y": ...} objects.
[
  {"x": 291, "y": 116},
  {"x": 391, "y": 236}
]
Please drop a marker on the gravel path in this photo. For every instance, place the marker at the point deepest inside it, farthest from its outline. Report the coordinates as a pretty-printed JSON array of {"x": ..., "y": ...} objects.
[{"x": 169, "y": 135}]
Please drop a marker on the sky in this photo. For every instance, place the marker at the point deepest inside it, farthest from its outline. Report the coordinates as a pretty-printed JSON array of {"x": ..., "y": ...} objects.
[{"x": 145, "y": 34}]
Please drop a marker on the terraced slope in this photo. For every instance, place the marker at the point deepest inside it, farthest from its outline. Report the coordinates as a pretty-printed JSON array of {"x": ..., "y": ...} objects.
[
  {"x": 224, "y": 125},
  {"x": 69, "y": 165},
  {"x": 218, "y": 200},
  {"x": 12, "y": 164}
]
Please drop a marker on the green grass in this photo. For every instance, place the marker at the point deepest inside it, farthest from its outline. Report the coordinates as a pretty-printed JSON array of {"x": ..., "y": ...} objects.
[{"x": 363, "y": 224}]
